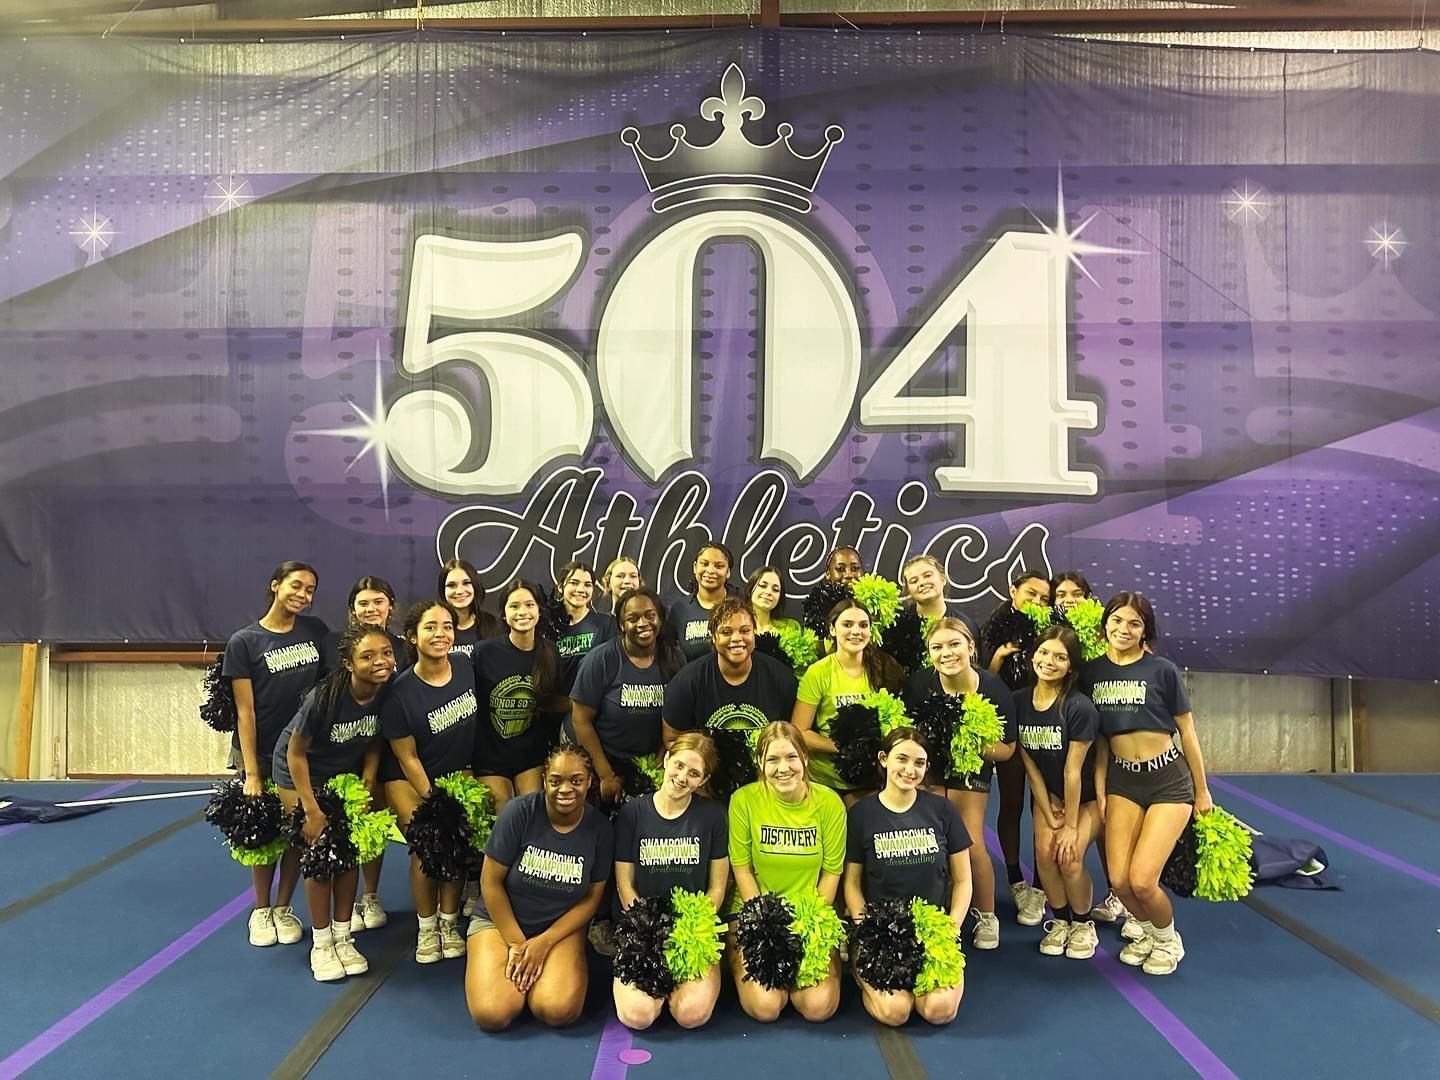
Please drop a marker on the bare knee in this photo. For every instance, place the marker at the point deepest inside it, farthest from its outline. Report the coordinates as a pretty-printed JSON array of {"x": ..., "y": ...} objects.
[
  {"x": 817, "y": 1008},
  {"x": 891, "y": 1010},
  {"x": 637, "y": 1017},
  {"x": 938, "y": 1008},
  {"x": 557, "y": 1013},
  {"x": 764, "y": 1008},
  {"x": 692, "y": 1014},
  {"x": 489, "y": 1016},
  {"x": 1144, "y": 890}
]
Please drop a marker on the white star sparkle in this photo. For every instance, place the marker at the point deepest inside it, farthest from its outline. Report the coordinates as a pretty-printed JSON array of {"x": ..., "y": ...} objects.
[
  {"x": 229, "y": 194},
  {"x": 1242, "y": 202},
  {"x": 1068, "y": 242},
  {"x": 93, "y": 234},
  {"x": 372, "y": 427},
  {"x": 1386, "y": 243}
]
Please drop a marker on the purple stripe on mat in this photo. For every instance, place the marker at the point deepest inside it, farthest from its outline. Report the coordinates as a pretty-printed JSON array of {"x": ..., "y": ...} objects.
[
  {"x": 50, "y": 1040},
  {"x": 103, "y": 793},
  {"x": 1409, "y": 869},
  {"x": 1171, "y": 1028},
  {"x": 614, "y": 1043}
]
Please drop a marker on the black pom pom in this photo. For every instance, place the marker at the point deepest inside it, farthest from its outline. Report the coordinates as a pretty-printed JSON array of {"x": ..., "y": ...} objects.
[
  {"x": 554, "y": 619},
  {"x": 855, "y": 731},
  {"x": 933, "y": 715},
  {"x": 1179, "y": 874},
  {"x": 769, "y": 645},
  {"x": 905, "y": 639},
  {"x": 245, "y": 822},
  {"x": 217, "y": 710},
  {"x": 640, "y": 936},
  {"x": 888, "y": 956},
  {"x": 822, "y": 598},
  {"x": 736, "y": 767},
  {"x": 333, "y": 853},
  {"x": 439, "y": 835},
  {"x": 772, "y": 951},
  {"x": 1005, "y": 625}
]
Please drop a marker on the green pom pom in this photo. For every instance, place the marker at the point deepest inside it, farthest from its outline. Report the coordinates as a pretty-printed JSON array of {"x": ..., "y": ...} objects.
[
  {"x": 1084, "y": 618},
  {"x": 1038, "y": 614},
  {"x": 889, "y": 709},
  {"x": 944, "y": 964},
  {"x": 649, "y": 766},
  {"x": 800, "y": 644},
  {"x": 976, "y": 729},
  {"x": 693, "y": 947},
  {"x": 474, "y": 798},
  {"x": 881, "y": 598},
  {"x": 369, "y": 831},
  {"x": 1223, "y": 852},
  {"x": 820, "y": 931}
]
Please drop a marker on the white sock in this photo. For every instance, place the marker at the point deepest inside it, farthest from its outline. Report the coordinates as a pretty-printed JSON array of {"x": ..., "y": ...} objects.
[
  {"x": 429, "y": 922},
  {"x": 1149, "y": 930},
  {"x": 451, "y": 918},
  {"x": 1163, "y": 933},
  {"x": 340, "y": 931},
  {"x": 322, "y": 936},
  {"x": 370, "y": 896}
]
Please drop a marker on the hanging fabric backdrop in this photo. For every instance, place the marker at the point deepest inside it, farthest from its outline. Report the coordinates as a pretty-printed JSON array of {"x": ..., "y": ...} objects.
[{"x": 1164, "y": 315}]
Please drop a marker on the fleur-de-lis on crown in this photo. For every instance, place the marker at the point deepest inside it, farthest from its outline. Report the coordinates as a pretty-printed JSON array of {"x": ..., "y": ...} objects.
[
  {"x": 732, "y": 106},
  {"x": 732, "y": 168}
]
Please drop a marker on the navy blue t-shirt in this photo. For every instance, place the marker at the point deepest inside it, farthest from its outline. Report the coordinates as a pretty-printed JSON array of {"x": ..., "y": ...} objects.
[
  {"x": 280, "y": 667},
  {"x": 1045, "y": 737},
  {"x": 441, "y": 720},
  {"x": 465, "y": 641},
  {"x": 549, "y": 872},
  {"x": 334, "y": 749},
  {"x": 627, "y": 700},
  {"x": 510, "y": 735},
  {"x": 579, "y": 638},
  {"x": 670, "y": 852},
  {"x": 700, "y": 697},
  {"x": 905, "y": 855},
  {"x": 1144, "y": 696},
  {"x": 690, "y": 621}
]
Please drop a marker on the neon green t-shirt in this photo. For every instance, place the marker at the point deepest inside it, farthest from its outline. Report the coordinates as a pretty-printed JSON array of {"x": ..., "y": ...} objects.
[
  {"x": 826, "y": 686},
  {"x": 787, "y": 845}
]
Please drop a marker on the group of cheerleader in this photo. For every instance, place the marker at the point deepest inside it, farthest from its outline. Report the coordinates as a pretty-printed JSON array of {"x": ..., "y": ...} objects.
[{"x": 647, "y": 754}]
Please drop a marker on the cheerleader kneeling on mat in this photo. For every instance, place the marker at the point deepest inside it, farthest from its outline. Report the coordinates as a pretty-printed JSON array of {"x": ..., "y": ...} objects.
[
  {"x": 672, "y": 839},
  {"x": 1057, "y": 727},
  {"x": 546, "y": 864},
  {"x": 336, "y": 731},
  {"x": 1150, "y": 785},
  {"x": 906, "y": 843},
  {"x": 787, "y": 836},
  {"x": 428, "y": 720}
]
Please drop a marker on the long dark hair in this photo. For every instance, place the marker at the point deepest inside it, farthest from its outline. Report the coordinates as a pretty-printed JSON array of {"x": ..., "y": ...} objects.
[
  {"x": 667, "y": 653},
  {"x": 412, "y": 623},
  {"x": 1073, "y": 576},
  {"x": 284, "y": 570},
  {"x": 368, "y": 583},
  {"x": 545, "y": 663},
  {"x": 331, "y": 690},
  {"x": 881, "y": 669},
  {"x": 748, "y": 596},
  {"x": 486, "y": 625},
  {"x": 564, "y": 576},
  {"x": 1073, "y": 649}
]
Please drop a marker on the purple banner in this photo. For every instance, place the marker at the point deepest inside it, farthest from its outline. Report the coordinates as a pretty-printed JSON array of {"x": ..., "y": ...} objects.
[{"x": 1166, "y": 316}]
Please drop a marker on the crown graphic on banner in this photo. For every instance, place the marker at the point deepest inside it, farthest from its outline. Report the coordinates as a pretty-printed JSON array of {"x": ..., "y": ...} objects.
[{"x": 732, "y": 167}]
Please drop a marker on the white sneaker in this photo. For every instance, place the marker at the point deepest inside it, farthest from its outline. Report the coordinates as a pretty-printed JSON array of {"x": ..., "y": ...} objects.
[
  {"x": 1130, "y": 929},
  {"x": 1165, "y": 956},
  {"x": 324, "y": 964},
  {"x": 1137, "y": 952},
  {"x": 1083, "y": 941},
  {"x": 452, "y": 942},
  {"x": 1109, "y": 910},
  {"x": 1029, "y": 904},
  {"x": 288, "y": 928},
  {"x": 1057, "y": 937},
  {"x": 350, "y": 958},
  {"x": 427, "y": 947},
  {"x": 369, "y": 912},
  {"x": 601, "y": 936},
  {"x": 262, "y": 927},
  {"x": 987, "y": 929}
]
